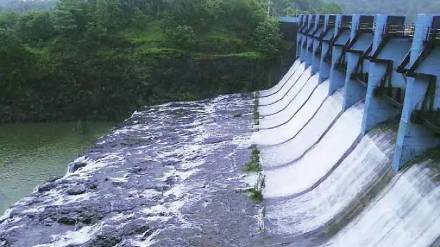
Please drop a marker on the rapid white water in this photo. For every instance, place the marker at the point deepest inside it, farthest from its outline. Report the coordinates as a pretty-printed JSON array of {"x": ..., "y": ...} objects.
[
  {"x": 292, "y": 81},
  {"x": 405, "y": 214},
  {"x": 283, "y": 100},
  {"x": 305, "y": 135},
  {"x": 314, "y": 165},
  {"x": 281, "y": 83},
  {"x": 363, "y": 168},
  {"x": 291, "y": 110},
  {"x": 293, "y": 148}
]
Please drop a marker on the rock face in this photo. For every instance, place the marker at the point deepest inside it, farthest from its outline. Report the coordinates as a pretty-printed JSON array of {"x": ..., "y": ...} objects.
[{"x": 168, "y": 176}]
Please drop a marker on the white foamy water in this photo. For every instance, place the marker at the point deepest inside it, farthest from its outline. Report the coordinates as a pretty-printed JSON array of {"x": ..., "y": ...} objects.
[
  {"x": 368, "y": 162},
  {"x": 294, "y": 106},
  {"x": 283, "y": 80},
  {"x": 304, "y": 173},
  {"x": 292, "y": 81},
  {"x": 304, "y": 138},
  {"x": 405, "y": 214},
  {"x": 290, "y": 96}
]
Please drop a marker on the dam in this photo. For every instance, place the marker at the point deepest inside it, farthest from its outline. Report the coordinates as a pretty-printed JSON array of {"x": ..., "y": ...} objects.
[
  {"x": 348, "y": 137},
  {"x": 346, "y": 146}
]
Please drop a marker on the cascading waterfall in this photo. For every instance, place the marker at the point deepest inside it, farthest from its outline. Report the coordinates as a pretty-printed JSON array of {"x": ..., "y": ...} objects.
[
  {"x": 406, "y": 213},
  {"x": 283, "y": 81},
  {"x": 292, "y": 95},
  {"x": 305, "y": 172},
  {"x": 362, "y": 169},
  {"x": 304, "y": 134},
  {"x": 322, "y": 180},
  {"x": 272, "y": 103},
  {"x": 285, "y": 114},
  {"x": 287, "y": 129}
]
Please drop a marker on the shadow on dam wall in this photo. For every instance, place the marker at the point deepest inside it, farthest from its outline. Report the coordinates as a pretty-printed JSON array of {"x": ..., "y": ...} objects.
[{"x": 349, "y": 138}]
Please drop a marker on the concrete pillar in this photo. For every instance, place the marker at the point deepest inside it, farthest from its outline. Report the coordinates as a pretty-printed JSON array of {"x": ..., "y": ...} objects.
[
  {"x": 352, "y": 90},
  {"x": 337, "y": 77},
  {"x": 319, "y": 28},
  {"x": 414, "y": 139},
  {"x": 324, "y": 67},
  {"x": 329, "y": 28},
  {"x": 307, "y": 21},
  {"x": 299, "y": 36},
  {"x": 309, "y": 44},
  {"x": 377, "y": 110}
]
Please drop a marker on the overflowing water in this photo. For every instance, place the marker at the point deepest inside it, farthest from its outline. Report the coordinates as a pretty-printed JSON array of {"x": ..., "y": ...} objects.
[
  {"x": 172, "y": 175},
  {"x": 365, "y": 167},
  {"x": 283, "y": 81},
  {"x": 279, "y": 103},
  {"x": 406, "y": 213},
  {"x": 325, "y": 186},
  {"x": 305, "y": 172},
  {"x": 306, "y": 104},
  {"x": 304, "y": 134}
]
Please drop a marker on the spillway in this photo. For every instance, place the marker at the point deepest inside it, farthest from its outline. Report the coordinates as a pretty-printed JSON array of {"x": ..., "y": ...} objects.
[
  {"x": 305, "y": 172},
  {"x": 307, "y": 106},
  {"x": 365, "y": 167},
  {"x": 406, "y": 213},
  {"x": 281, "y": 102},
  {"x": 344, "y": 147},
  {"x": 283, "y": 81},
  {"x": 290, "y": 109},
  {"x": 288, "y": 85},
  {"x": 296, "y": 141}
]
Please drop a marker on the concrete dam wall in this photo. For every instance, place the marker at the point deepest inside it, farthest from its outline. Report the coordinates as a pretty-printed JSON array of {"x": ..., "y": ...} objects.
[
  {"x": 343, "y": 151},
  {"x": 348, "y": 138}
]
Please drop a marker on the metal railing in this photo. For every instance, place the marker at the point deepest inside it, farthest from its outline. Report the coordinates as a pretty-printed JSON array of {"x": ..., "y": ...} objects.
[
  {"x": 433, "y": 35},
  {"x": 367, "y": 27},
  {"x": 399, "y": 31},
  {"x": 346, "y": 26}
]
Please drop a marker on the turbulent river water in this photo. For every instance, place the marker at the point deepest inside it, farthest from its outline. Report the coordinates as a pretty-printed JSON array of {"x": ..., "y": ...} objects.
[{"x": 172, "y": 175}]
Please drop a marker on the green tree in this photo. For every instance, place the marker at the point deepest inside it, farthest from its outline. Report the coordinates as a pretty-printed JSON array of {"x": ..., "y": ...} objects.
[
  {"x": 35, "y": 26},
  {"x": 267, "y": 37}
]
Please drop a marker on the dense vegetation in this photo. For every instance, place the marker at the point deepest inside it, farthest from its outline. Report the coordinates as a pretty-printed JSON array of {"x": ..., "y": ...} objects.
[
  {"x": 101, "y": 59},
  {"x": 297, "y": 7}
]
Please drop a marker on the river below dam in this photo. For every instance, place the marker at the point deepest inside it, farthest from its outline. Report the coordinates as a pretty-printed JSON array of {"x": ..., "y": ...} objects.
[
  {"x": 32, "y": 153},
  {"x": 175, "y": 175}
]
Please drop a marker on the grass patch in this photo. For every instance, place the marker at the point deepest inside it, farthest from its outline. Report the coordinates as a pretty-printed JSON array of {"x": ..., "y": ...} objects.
[
  {"x": 256, "y": 114},
  {"x": 256, "y": 195},
  {"x": 254, "y": 165}
]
